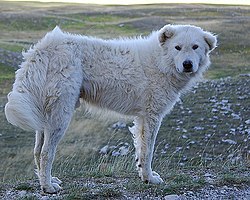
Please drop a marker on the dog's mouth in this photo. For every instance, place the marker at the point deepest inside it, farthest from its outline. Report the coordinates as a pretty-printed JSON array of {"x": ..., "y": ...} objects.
[
  {"x": 185, "y": 71},
  {"x": 188, "y": 71}
]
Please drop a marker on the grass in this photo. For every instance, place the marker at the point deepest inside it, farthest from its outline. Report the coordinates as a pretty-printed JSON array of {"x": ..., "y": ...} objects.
[
  {"x": 6, "y": 79},
  {"x": 12, "y": 46},
  {"x": 7, "y": 73},
  {"x": 190, "y": 141}
]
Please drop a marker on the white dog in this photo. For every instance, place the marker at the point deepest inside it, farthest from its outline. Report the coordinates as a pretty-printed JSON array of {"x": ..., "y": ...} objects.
[{"x": 140, "y": 77}]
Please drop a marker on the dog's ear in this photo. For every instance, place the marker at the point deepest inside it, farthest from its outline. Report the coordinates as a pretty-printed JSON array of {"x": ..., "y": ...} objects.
[
  {"x": 211, "y": 40},
  {"x": 165, "y": 33}
]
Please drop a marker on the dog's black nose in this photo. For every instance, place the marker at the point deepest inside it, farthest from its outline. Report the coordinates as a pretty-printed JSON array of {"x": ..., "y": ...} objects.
[{"x": 187, "y": 65}]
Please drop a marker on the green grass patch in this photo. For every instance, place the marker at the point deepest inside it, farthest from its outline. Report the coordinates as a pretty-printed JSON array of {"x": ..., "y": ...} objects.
[
  {"x": 97, "y": 18},
  {"x": 233, "y": 179},
  {"x": 218, "y": 72},
  {"x": 32, "y": 24},
  {"x": 12, "y": 46},
  {"x": 7, "y": 73},
  {"x": 183, "y": 182},
  {"x": 101, "y": 24}
]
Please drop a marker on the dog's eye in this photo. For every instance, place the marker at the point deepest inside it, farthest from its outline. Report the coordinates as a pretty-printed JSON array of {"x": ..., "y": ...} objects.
[
  {"x": 177, "y": 47},
  {"x": 195, "y": 47}
]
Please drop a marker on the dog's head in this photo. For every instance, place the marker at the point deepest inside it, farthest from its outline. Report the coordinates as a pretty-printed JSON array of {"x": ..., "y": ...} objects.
[{"x": 186, "y": 46}]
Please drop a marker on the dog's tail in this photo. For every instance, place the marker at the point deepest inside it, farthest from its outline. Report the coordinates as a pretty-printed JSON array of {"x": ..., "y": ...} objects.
[{"x": 21, "y": 111}]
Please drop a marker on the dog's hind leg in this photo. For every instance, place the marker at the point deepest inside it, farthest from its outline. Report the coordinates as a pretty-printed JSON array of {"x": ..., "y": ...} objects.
[
  {"x": 38, "y": 149},
  {"x": 37, "y": 155},
  {"x": 145, "y": 132},
  {"x": 51, "y": 140},
  {"x": 58, "y": 119}
]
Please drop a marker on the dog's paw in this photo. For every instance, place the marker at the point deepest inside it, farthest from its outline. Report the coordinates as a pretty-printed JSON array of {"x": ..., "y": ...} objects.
[
  {"x": 56, "y": 180},
  {"x": 51, "y": 189},
  {"x": 154, "y": 178}
]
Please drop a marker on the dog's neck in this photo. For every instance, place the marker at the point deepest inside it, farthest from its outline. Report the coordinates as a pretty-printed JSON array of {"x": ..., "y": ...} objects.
[{"x": 180, "y": 81}]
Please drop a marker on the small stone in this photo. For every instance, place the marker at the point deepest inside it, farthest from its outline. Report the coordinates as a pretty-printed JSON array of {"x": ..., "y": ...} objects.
[
  {"x": 172, "y": 197},
  {"x": 104, "y": 150},
  {"x": 124, "y": 150},
  {"x": 215, "y": 110},
  {"x": 235, "y": 116},
  {"x": 224, "y": 101},
  {"x": 247, "y": 131},
  {"x": 184, "y": 137},
  {"x": 247, "y": 122},
  {"x": 119, "y": 125},
  {"x": 184, "y": 130},
  {"x": 198, "y": 128},
  {"x": 22, "y": 193},
  {"x": 229, "y": 141},
  {"x": 190, "y": 193},
  {"x": 208, "y": 175}
]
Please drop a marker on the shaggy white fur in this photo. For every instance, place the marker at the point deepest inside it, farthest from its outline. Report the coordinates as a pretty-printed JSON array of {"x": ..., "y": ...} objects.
[{"x": 140, "y": 77}]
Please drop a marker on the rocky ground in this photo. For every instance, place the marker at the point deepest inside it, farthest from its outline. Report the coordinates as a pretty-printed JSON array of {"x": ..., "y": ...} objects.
[{"x": 208, "y": 193}]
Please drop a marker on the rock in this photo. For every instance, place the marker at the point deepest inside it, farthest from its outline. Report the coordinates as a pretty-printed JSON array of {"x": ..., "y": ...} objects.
[
  {"x": 247, "y": 131},
  {"x": 104, "y": 150},
  {"x": 184, "y": 137},
  {"x": 229, "y": 141},
  {"x": 45, "y": 198},
  {"x": 22, "y": 193},
  {"x": 215, "y": 110},
  {"x": 121, "y": 149},
  {"x": 177, "y": 149},
  {"x": 172, "y": 197},
  {"x": 119, "y": 125},
  {"x": 235, "y": 116},
  {"x": 247, "y": 122},
  {"x": 208, "y": 175},
  {"x": 198, "y": 128},
  {"x": 124, "y": 150}
]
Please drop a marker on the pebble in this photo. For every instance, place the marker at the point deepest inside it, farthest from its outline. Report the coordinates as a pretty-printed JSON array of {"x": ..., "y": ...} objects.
[
  {"x": 22, "y": 193},
  {"x": 121, "y": 149},
  {"x": 229, "y": 141},
  {"x": 172, "y": 197},
  {"x": 247, "y": 122},
  {"x": 119, "y": 125}
]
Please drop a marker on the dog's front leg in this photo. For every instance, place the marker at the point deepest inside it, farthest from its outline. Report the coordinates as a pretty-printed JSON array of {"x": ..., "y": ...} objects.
[{"x": 145, "y": 132}]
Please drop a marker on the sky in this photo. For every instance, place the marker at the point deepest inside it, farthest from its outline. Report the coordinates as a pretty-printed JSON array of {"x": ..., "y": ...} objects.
[{"x": 130, "y": 2}]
